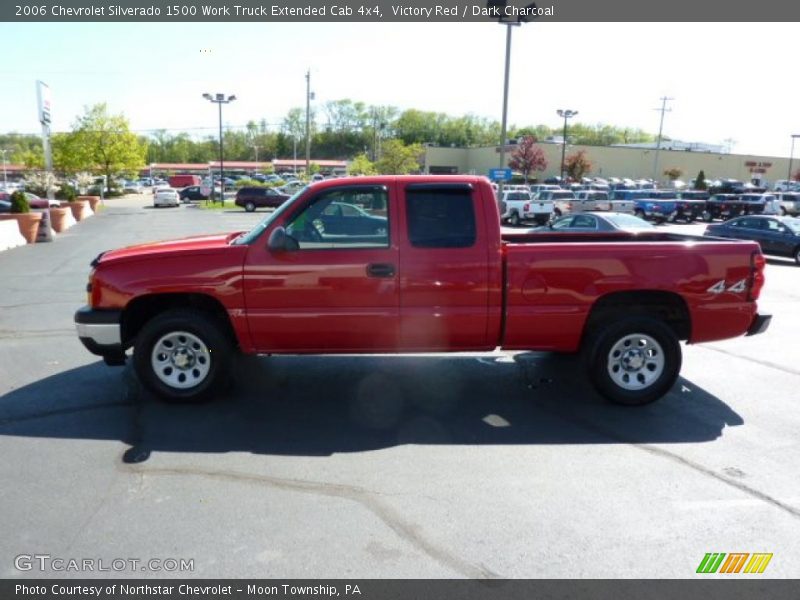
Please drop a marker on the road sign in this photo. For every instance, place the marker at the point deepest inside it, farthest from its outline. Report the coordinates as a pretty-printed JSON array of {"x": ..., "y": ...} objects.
[{"x": 499, "y": 174}]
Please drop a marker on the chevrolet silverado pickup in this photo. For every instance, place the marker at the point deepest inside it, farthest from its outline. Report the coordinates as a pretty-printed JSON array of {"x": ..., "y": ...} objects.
[{"x": 401, "y": 264}]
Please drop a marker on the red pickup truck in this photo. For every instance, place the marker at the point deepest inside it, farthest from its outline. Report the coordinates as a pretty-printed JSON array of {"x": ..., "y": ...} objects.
[{"x": 416, "y": 264}]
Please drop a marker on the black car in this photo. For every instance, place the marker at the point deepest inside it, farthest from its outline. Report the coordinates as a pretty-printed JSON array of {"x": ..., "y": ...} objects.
[
  {"x": 193, "y": 192},
  {"x": 727, "y": 186},
  {"x": 251, "y": 198},
  {"x": 723, "y": 206},
  {"x": 779, "y": 236},
  {"x": 691, "y": 205}
]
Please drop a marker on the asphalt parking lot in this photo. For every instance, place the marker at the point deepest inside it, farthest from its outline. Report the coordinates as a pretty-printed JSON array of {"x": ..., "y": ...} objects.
[{"x": 494, "y": 465}]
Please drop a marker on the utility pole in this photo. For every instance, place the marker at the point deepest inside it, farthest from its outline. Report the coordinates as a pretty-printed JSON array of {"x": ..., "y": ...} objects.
[
  {"x": 308, "y": 122},
  {"x": 255, "y": 147},
  {"x": 663, "y": 110}
]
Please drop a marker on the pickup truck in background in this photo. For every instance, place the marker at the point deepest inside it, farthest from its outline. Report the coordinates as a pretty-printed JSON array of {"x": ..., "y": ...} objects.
[
  {"x": 517, "y": 206},
  {"x": 690, "y": 205},
  {"x": 421, "y": 266}
]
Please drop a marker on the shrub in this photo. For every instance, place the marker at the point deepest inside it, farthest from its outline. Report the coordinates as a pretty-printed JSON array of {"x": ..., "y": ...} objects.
[
  {"x": 66, "y": 192},
  {"x": 19, "y": 203}
]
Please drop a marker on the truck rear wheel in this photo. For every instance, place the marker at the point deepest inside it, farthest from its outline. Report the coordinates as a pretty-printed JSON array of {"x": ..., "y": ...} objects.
[
  {"x": 182, "y": 355},
  {"x": 633, "y": 361},
  {"x": 514, "y": 219}
]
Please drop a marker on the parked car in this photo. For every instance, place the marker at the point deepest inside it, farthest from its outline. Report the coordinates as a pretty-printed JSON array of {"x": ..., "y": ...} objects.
[
  {"x": 726, "y": 186},
  {"x": 34, "y": 201},
  {"x": 132, "y": 187},
  {"x": 342, "y": 218},
  {"x": 448, "y": 280},
  {"x": 290, "y": 188},
  {"x": 588, "y": 200},
  {"x": 193, "y": 192},
  {"x": 790, "y": 203},
  {"x": 541, "y": 187},
  {"x": 5, "y": 206},
  {"x": 555, "y": 201},
  {"x": 690, "y": 205},
  {"x": 605, "y": 221},
  {"x": 722, "y": 206},
  {"x": 251, "y": 198},
  {"x": 754, "y": 204},
  {"x": 778, "y": 236},
  {"x": 782, "y": 185},
  {"x": 166, "y": 196}
]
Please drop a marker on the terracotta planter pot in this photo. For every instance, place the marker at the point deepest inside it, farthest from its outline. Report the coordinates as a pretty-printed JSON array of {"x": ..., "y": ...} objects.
[
  {"x": 58, "y": 218},
  {"x": 28, "y": 224},
  {"x": 93, "y": 201},
  {"x": 79, "y": 208}
]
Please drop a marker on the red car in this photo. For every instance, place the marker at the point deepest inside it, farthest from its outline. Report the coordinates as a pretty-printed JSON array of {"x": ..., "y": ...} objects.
[
  {"x": 33, "y": 200},
  {"x": 419, "y": 265}
]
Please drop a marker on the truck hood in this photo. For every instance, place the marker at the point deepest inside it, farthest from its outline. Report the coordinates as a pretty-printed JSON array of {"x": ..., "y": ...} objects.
[{"x": 202, "y": 244}]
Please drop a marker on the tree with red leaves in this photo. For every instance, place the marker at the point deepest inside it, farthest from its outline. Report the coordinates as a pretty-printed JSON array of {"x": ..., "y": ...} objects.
[{"x": 527, "y": 157}]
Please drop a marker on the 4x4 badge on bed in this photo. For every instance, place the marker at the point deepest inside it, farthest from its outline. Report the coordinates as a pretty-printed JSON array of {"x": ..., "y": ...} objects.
[{"x": 719, "y": 287}]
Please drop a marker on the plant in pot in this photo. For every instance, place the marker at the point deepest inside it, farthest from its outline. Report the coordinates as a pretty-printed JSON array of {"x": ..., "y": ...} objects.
[
  {"x": 61, "y": 217},
  {"x": 79, "y": 205},
  {"x": 27, "y": 221}
]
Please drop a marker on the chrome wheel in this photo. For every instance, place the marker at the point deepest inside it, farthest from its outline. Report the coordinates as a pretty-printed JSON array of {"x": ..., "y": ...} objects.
[
  {"x": 635, "y": 361},
  {"x": 180, "y": 360}
]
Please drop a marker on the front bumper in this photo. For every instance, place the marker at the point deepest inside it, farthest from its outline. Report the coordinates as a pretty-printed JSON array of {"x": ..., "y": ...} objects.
[
  {"x": 100, "y": 332},
  {"x": 759, "y": 325}
]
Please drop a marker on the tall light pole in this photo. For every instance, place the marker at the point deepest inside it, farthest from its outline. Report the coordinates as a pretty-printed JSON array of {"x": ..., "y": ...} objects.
[
  {"x": 497, "y": 9},
  {"x": 5, "y": 176},
  {"x": 791, "y": 158},
  {"x": 566, "y": 114},
  {"x": 219, "y": 100},
  {"x": 663, "y": 110},
  {"x": 309, "y": 98}
]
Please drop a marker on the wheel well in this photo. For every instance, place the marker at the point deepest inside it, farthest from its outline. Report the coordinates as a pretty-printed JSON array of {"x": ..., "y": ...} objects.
[
  {"x": 665, "y": 306},
  {"x": 142, "y": 309}
]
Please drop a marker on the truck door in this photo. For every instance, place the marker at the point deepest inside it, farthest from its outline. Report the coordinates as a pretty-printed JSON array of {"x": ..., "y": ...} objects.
[
  {"x": 332, "y": 290},
  {"x": 444, "y": 268}
]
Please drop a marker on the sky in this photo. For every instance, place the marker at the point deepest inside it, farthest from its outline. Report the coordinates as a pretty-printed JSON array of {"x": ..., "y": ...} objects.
[{"x": 726, "y": 79}]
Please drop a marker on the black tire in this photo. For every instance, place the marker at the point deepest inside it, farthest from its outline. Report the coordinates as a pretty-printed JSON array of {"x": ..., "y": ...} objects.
[
  {"x": 556, "y": 212},
  {"x": 783, "y": 211},
  {"x": 797, "y": 256},
  {"x": 707, "y": 216},
  {"x": 249, "y": 206},
  {"x": 640, "y": 213},
  {"x": 514, "y": 219},
  {"x": 215, "y": 358},
  {"x": 600, "y": 360}
]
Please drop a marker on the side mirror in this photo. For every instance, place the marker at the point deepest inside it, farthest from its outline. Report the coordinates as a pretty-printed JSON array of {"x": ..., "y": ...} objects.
[{"x": 278, "y": 240}]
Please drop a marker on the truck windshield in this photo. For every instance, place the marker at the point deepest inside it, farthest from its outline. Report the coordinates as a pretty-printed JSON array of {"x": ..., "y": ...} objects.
[{"x": 256, "y": 231}]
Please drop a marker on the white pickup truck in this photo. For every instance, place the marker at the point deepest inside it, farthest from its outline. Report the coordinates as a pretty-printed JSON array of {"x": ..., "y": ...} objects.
[{"x": 519, "y": 206}]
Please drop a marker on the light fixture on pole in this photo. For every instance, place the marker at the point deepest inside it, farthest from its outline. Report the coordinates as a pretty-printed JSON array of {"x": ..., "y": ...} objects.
[
  {"x": 791, "y": 158},
  {"x": 497, "y": 8},
  {"x": 566, "y": 114},
  {"x": 219, "y": 100}
]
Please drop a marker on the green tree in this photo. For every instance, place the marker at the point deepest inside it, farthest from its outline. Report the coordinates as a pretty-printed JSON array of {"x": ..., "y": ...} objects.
[
  {"x": 361, "y": 165},
  {"x": 577, "y": 165},
  {"x": 398, "y": 158},
  {"x": 700, "y": 181},
  {"x": 102, "y": 142}
]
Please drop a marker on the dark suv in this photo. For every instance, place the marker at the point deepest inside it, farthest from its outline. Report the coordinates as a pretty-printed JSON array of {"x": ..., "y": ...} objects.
[{"x": 251, "y": 198}]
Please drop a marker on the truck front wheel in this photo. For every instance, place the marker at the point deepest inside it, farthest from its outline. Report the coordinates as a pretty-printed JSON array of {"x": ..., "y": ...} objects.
[
  {"x": 634, "y": 361},
  {"x": 182, "y": 355}
]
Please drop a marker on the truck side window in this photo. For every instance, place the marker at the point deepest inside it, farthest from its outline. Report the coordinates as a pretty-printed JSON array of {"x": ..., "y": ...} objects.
[
  {"x": 343, "y": 219},
  {"x": 443, "y": 218}
]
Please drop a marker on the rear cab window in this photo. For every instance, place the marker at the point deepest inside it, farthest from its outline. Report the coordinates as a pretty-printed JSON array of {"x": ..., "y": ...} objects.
[{"x": 440, "y": 216}]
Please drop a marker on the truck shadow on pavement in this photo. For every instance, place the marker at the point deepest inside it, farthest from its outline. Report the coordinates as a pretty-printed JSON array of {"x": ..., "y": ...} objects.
[{"x": 318, "y": 406}]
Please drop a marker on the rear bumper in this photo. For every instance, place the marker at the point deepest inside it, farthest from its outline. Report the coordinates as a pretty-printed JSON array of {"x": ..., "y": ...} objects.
[
  {"x": 759, "y": 325},
  {"x": 99, "y": 331}
]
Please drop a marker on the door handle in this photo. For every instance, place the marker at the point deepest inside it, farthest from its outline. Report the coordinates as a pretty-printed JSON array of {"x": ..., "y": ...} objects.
[{"x": 380, "y": 270}]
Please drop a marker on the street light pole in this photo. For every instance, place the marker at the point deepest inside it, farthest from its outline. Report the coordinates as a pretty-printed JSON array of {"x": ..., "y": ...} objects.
[
  {"x": 309, "y": 96},
  {"x": 219, "y": 100},
  {"x": 567, "y": 114},
  {"x": 791, "y": 158},
  {"x": 663, "y": 110},
  {"x": 5, "y": 176},
  {"x": 496, "y": 9}
]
